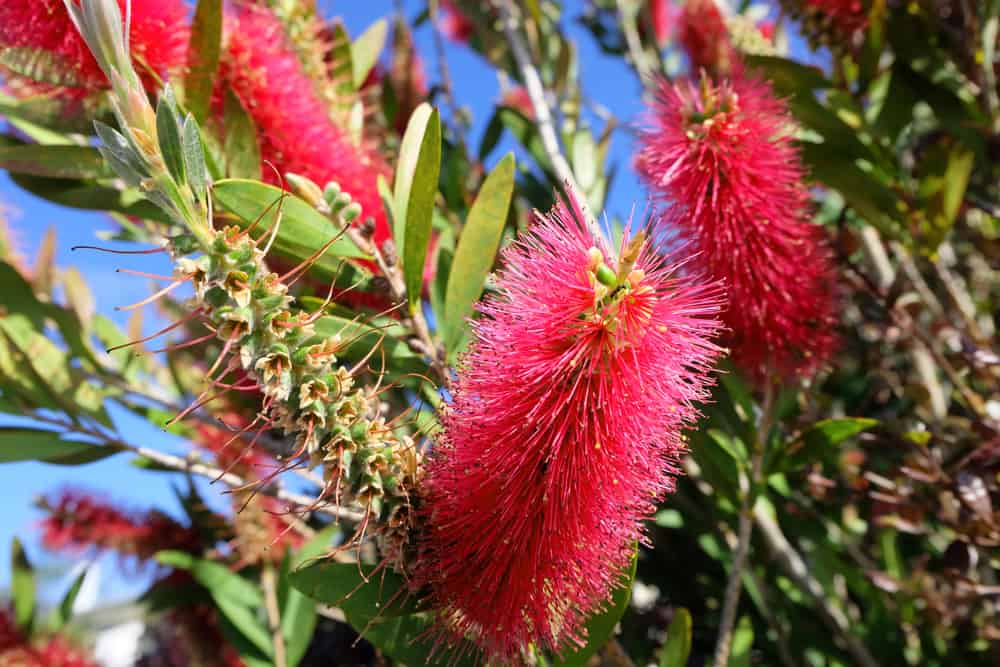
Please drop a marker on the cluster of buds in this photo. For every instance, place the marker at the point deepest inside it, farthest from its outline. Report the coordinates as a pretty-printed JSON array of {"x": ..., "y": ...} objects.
[
  {"x": 332, "y": 420},
  {"x": 267, "y": 338}
]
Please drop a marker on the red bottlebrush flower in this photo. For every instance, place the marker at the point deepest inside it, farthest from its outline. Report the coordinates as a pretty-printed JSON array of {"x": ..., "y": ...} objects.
[
  {"x": 454, "y": 24},
  {"x": 664, "y": 16},
  {"x": 294, "y": 127},
  {"x": 563, "y": 433},
  {"x": 517, "y": 98},
  {"x": 846, "y": 16},
  {"x": 724, "y": 155},
  {"x": 78, "y": 521},
  {"x": 158, "y": 36},
  {"x": 702, "y": 32},
  {"x": 16, "y": 650}
]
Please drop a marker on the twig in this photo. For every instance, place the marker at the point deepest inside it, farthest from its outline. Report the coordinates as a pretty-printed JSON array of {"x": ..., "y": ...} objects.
[
  {"x": 632, "y": 41},
  {"x": 269, "y": 584},
  {"x": 416, "y": 321},
  {"x": 543, "y": 115},
  {"x": 734, "y": 586},
  {"x": 793, "y": 565}
]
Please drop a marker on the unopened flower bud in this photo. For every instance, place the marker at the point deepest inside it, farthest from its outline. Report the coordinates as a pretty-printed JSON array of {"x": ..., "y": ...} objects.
[{"x": 305, "y": 189}]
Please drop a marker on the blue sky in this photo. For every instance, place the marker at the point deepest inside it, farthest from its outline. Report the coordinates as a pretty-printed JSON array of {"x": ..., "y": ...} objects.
[{"x": 605, "y": 80}]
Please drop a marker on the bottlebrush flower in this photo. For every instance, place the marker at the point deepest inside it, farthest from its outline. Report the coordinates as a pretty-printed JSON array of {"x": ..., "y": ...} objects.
[
  {"x": 564, "y": 432},
  {"x": 16, "y": 650},
  {"x": 724, "y": 154},
  {"x": 702, "y": 32},
  {"x": 820, "y": 18},
  {"x": 78, "y": 521},
  {"x": 158, "y": 35},
  {"x": 455, "y": 25},
  {"x": 664, "y": 17},
  {"x": 294, "y": 127}
]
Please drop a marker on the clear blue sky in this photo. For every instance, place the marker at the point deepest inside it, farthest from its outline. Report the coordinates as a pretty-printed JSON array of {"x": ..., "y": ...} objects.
[{"x": 604, "y": 79}]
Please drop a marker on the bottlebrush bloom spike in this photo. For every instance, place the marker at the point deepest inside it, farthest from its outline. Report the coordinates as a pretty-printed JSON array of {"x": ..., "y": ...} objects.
[
  {"x": 158, "y": 35},
  {"x": 293, "y": 123},
  {"x": 829, "y": 22},
  {"x": 564, "y": 432},
  {"x": 78, "y": 521},
  {"x": 455, "y": 25},
  {"x": 724, "y": 154},
  {"x": 16, "y": 650},
  {"x": 702, "y": 31}
]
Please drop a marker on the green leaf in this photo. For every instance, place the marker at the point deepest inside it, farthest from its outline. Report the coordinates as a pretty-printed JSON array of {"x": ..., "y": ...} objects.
[
  {"x": 83, "y": 162},
  {"x": 240, "y": 145},
  {"x": 945, "y": 188},
  {"x": 204, "y": 49},
  {"x": 194, "y": 157},
  {"x": 739, "y": 655},
  {"x": 406, "y": 166},
  {"x": 41, "y": 65},
  {"x": 217, "y": 578},
  {"x": 419, "y": 210},
  {"x": 303, "y": 229},
  {"x": 87, "y": 196},
  {"x": 22, "y": 587},
  {"x": 298, "y": 621},
  {"x": 788, "y": 76},
  {"x": 365, "y": 51},
  {"x": 362, "y": 591},
  {"x": 477, "y": 247},
  {"x": 245, "y": 620},
  {"x": 821, "y": 437},
  {"x": 409, "y": 640},
  {"x": 25, "y": 444},
  {"x": 526, "y": 133},
  {"x": 53, "y": 370},
  {"x": 601, "y": 626},
  {"x": 168, "y": 133},
  {"x": 62, "y": 613},
  {"x": 678, "y": 647}
]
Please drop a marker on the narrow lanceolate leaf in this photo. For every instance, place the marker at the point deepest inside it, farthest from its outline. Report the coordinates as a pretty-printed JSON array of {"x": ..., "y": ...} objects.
[
  {"x": 601, "y": 626},
  {"x": 678, "y": 647},
  {"x": 64, "y": 611},
  {"x": 365, "y": 50},
  {"x": 24, "y": 444},
  {"x": 203, "y": 57},
  {"x": 22, "y": 586},
  {"x": 360, "y": 590},
  {"x": 217, "y": 578},
  {"x": 420, "y": 208},
  {"x": 240, "y": 145},
  {"x": 302, "y": 230},
  {"x": 477, "y": 248},
  {"x": 168, "y": 133},
  {"x": 194, "y": 157},
  {"x": 406, "y": 167},
  {"x": 81, "y": 162},
  {"x": 821, "y": 437}
]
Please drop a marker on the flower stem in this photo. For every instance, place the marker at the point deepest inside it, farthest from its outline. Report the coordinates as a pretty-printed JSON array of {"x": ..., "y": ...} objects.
[
  {"x": 543, "y": 115},
  {"x": 269, "y": 583},
  {"x": 734, "y": 586}
]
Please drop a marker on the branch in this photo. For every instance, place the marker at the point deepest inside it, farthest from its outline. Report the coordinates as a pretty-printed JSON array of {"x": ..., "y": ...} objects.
[
  {"x": 543, "y": 115},
  {"x": 268, "y": 583},
  {"x": 793, "y": 565},
  {"x": 734, "y": 587},
  {"x": 636, "y": 53}
]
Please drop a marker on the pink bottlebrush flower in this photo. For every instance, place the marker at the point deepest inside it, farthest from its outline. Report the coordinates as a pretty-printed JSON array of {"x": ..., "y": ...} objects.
[
  {"x": 563, "y": 434},
  {"x": 724, "y": 155},
  {"x": 664, "y": 15},
  {"x": 702, "y": 32},
  {"x": 158, "y": 36},
  {"x": 78, "y": 521},
  {"x": 455, "y": 25},
  {"x": 517, "y": 98},
  {"x": 293, "y": 123},
  {"x": 16, "y": 650}
]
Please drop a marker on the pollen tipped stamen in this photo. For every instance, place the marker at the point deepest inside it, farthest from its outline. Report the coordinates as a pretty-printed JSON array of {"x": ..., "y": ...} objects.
[
  {"x": 112, "y": 251},
  {"x": 181, "y": 322},
  {"x": 153, "y": 297}
]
